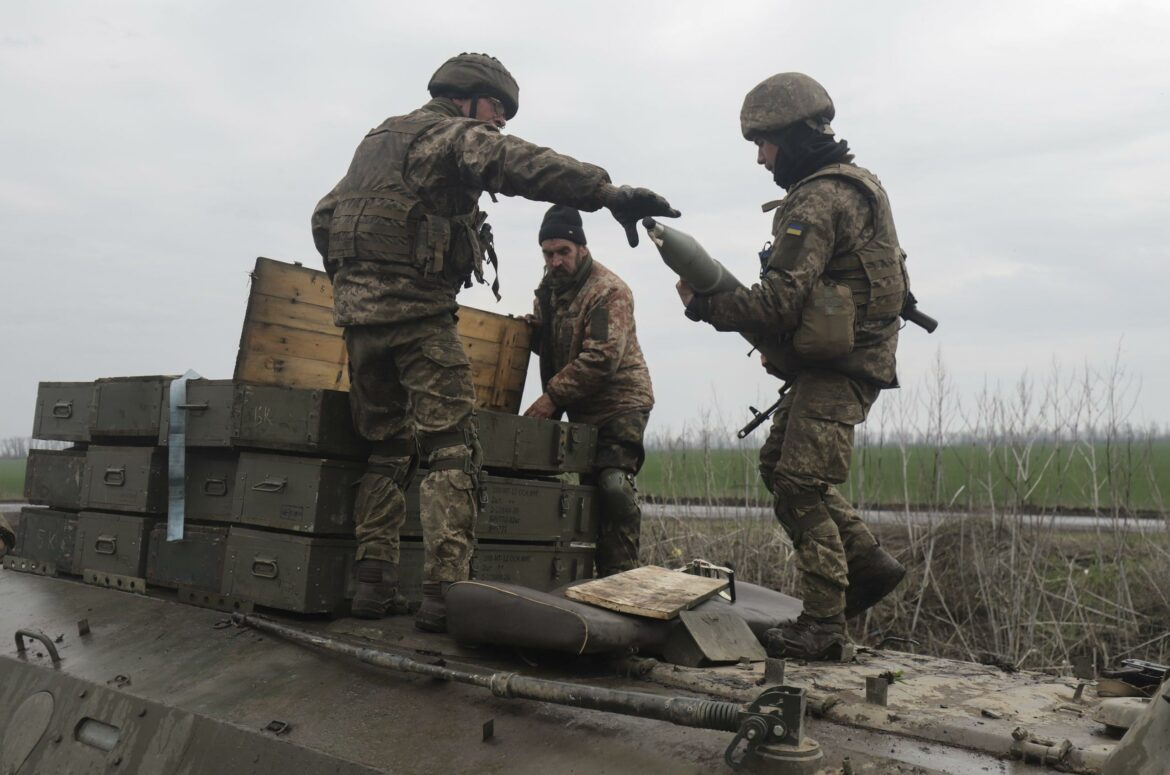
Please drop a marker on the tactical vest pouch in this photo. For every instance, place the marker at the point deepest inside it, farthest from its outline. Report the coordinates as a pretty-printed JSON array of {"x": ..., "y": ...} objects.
[
  {"x": 466, "y": 257},
  {"x": 432, "y": 243},
  {"x": 826, "y": 323}
]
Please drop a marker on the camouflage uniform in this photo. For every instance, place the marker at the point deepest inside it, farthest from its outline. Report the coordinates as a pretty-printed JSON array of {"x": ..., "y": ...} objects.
[
  {"x": 828, "y": 221},
  {"x": 400, "y": 235},
  {"x": 592, "y": 367},
  {"x": 7, "y": 536}
]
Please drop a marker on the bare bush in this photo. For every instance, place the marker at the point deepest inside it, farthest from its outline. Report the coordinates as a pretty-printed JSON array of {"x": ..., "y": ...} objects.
[{"x": 989, "y": 569}]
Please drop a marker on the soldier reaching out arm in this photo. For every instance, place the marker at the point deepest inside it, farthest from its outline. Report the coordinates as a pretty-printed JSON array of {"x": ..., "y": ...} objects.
[{"x": 400, "y": 235}]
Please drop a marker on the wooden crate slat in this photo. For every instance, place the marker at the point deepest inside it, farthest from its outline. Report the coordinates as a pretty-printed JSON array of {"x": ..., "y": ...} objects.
[
  {"x": 649, "y": 591},
  {"x": 288, "y": 338}
]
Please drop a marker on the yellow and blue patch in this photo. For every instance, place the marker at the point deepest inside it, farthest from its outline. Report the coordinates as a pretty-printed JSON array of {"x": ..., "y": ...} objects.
[{"x": 794, "y": 229}]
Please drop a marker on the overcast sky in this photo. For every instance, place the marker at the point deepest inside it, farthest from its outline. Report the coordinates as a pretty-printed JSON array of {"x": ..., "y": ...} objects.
[{"x": 150, "y": 151}]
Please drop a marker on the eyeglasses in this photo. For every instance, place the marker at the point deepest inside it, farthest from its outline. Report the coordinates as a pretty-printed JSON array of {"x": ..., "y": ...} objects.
[{"x": 497, "y": 106}]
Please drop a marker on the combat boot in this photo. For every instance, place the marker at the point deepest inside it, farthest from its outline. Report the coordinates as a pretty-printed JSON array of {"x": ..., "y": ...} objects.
[
  {"x": 432, "y": 614},
  {"x": 377, "y": 590},
  {"x": 807, "y": 638},
  {"x": 872, "y": 576}
]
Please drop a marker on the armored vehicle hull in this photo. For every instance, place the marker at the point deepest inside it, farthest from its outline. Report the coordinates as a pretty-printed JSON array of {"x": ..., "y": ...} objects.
[{"x": 156, "y": 686}]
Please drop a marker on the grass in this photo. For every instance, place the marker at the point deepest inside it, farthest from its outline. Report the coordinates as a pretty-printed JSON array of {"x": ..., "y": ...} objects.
[
  {"x": 11, "y": 479},
  {"x": 1024, "y": 594},
  {"x": 977, "y": 476}
]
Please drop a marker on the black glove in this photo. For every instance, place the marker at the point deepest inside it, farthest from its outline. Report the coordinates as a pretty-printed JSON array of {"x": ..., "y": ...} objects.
[{"x": 630, "y": 205}]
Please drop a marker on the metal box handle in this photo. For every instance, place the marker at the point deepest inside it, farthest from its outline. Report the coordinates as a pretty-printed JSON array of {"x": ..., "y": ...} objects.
[
  {"x": 271, "y": 485},
  {"x": 105, "y": 544},
  {"x": 215, "y": 487},
  {"x": 264, "y": 567},
  {"x": 559, "y": 443},
  {"x": 115, "y": 477},
  {"x": 63, "y": 410},
  {"x": 204, "y": 405}
]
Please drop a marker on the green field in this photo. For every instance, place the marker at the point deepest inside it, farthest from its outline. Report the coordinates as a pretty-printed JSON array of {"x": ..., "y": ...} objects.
[
  {"x": 11, "y": 480},
  {"x": 1129, "y": 476}
]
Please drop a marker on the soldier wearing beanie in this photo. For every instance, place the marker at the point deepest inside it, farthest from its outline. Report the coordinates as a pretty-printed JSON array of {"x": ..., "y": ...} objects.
[
  {"x": 592, "y": 368},
  {"x": 400, "y": 235}
]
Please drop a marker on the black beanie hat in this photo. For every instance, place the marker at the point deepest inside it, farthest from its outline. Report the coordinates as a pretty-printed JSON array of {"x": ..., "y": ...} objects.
[{"x": 562, "y": 222}]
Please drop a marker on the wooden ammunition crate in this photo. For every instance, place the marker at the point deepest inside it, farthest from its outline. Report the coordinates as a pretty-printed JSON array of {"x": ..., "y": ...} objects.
[{"x": 289, "y": 339}]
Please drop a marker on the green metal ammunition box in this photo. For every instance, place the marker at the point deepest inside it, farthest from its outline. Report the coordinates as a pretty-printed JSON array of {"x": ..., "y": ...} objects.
[
  {"x": 113, "y": 543},
  {"x": 522, "y": 510},
  {"x": 48, "y": 536},
  {"x": 54, "y": 477},
  {"x": 308, "y": 495},
  {"x": 514, "y": 443},
  {"x": 223, "y": 413},
  {"x": 197, "y": 561},
  {"x": 63, "y": 411},
  {"x": 537, "y": 566},
  {"x": 130, "y": 479},
  {"x": 287, "y": 571},
  {"x": 129, "y": 407},
  {"x": 210, "y": 485}
]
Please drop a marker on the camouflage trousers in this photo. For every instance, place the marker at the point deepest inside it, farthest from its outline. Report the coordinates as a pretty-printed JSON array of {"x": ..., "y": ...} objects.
[
  {"x": 411, "y": 395},
  {"x": 620, "y": 454},
  {"x": 807, "y": 453}
]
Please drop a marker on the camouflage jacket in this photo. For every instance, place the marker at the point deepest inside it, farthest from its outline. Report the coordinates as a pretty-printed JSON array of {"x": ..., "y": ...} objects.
[
  {"x": 448, "y": 167},
  {"x": 832, "y": 217},
  {"x": 6, "y": 533},
  {"x": 590, "y": 362}
]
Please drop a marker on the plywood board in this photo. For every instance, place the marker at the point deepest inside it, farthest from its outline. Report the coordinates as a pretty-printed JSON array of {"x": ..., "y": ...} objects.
[
  {"x": 289, "y": 339},
  {"x": 650, "y": 591}
]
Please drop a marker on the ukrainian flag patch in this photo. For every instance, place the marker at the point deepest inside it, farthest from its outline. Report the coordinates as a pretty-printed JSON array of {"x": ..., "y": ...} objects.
[{"x": 794, "y": 229}]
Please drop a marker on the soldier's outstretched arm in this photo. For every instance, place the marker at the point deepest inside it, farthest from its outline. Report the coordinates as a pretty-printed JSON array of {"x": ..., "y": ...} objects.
[{"x": 508, "y": 165}]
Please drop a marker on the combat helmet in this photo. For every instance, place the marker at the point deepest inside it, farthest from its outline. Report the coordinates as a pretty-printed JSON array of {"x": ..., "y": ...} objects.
[
  {"x": 783, "y": 100},
  {"x": 476, "y": 75}
]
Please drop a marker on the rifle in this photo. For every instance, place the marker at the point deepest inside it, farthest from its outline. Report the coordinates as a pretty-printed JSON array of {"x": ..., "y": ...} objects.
[
  {"x": 911, "y": 314},
  {"x": 758, "y": 417}
]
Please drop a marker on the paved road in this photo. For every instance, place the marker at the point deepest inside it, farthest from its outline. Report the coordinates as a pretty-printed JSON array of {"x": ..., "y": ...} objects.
[{"x": 1065, "y": 522}]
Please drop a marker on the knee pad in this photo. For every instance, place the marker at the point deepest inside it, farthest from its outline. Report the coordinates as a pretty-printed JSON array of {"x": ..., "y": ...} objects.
[
  {"x": 454, "y": 449},
  {"x": 799, "y": 511},
  {"x": 616, "y": 489},
  {"x": 398, "y": 469}
]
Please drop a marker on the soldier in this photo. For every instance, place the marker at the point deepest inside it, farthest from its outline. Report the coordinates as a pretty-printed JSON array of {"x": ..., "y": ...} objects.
[
  {"x": 592, "y": 367},
  {"x": 400, "y": 234},
  {"x": 832, "y": 286},
  {"x": 7, "y": 537}
]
